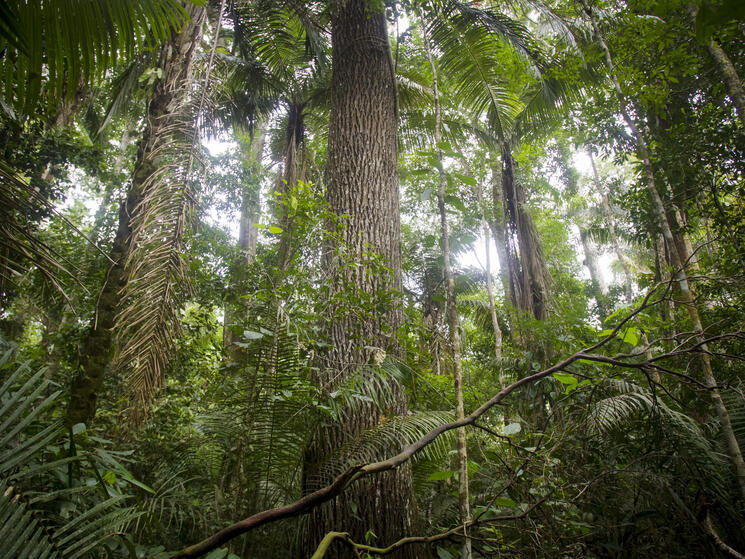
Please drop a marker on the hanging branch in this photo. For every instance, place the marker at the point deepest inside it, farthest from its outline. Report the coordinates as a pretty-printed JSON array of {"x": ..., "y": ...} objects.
[{"x": 359, "y": 471}]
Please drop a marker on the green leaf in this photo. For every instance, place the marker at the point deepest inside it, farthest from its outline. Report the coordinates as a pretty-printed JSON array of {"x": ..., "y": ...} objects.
[
  {"x": 456, "y": 202},
  {"x": 441, "y": 476},
  {"x": 443, "y": 553},
  {"x": 505, "y": 502},
  {"x": 251, "y": 335},
  {"x": 565, "y": 378},
  {"x": 631, "y": 336},
  {"x": 426, "y": 194},
  {"x": 274, "y": 229},
  {"x": 78, "y": 428},
  {"x": 512, "y": 429},
  {"x": 466, "y": 179}
]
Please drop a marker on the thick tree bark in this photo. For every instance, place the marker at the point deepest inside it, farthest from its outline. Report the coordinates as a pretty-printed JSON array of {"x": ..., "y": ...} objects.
[
  {"x": 362, "y": 183},
  {"x": 175, "y": 62},
  {"x": 496, "y": 224},
  {"x": 464, "y": 507},
  {"x": 678, "y": 261}
]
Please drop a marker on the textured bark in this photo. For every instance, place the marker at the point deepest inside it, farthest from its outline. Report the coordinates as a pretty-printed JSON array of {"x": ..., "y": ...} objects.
[
  {"x": 496, "y": 224},
  {"x": 528, "y": 270},
  {"x": 175, "y": 61},
  {"x": 678, "y": 261},
  {"x": 362, "y": 183},
  {"x": 464, "y": 507}
]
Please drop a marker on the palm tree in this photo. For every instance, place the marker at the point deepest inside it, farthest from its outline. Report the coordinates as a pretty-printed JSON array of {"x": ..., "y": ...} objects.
[
  {"x": 51, "y": 56},
  {"x": 144, "y": 326},
  {"x": 679, "y": 256}
]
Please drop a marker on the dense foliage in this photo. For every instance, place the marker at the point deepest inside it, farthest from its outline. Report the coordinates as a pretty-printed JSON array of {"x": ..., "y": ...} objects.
[{"x": 232, "y": 326}]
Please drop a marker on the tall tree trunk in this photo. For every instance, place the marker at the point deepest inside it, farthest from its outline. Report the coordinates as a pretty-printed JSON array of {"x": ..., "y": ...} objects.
[
  {"x": 362, "y": 183},
  {"x": 528, "y": 279},
  {"x": 452, "y": 313},
  {"x": 678, "y": 261},
  {"x": 251, "y": 151},
  {"x": 529, "y": 273},
  {"x": 490, "y": 285},
  {"x": 175, "y": 62},
  {"x": 725, "y": 68},
  {"x": 610, "y": 220},
  {"x": 288, "y": 182},
  {"x": 591, "y": 263},
  {"x": 496, "y": 224}
]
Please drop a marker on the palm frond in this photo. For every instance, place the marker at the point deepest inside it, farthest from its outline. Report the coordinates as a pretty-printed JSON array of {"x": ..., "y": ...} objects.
[
  {"x": 629, "y": 401},
  {"x": 123, "y": 88},
  {"x": 472, "y": 61},
  {"x": 148, "y": 320},
  {"x": 387, "y": 438},
  {"x": 29, "y": 531},
  {"x": 21, "y": 246},
  {"x": 65, "y": 48},
  {"x": 467, "y": 15}
]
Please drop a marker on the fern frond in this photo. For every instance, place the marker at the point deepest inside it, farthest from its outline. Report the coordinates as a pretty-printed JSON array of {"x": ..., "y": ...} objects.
[
  {"x": 27, "y": 531},
  {"x": 389, "y": 437}
]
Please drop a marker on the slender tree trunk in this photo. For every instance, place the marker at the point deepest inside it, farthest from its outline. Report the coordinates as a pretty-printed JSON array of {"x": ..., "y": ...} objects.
[
  {"x": 362, "y": 183},
  {"x": 176, "y": 60},
  {"x": 730, "y": 77},
  {"x": 490, "y": 285},
  {"x": 678, "y": 261},
  {"x": 591, "y": 263},
  {"x": 616, "y": 243},
  {"x": 725, "y": 68},
  {"x": 251, "y": 151},
  {"x": 452, "y": 313}
]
